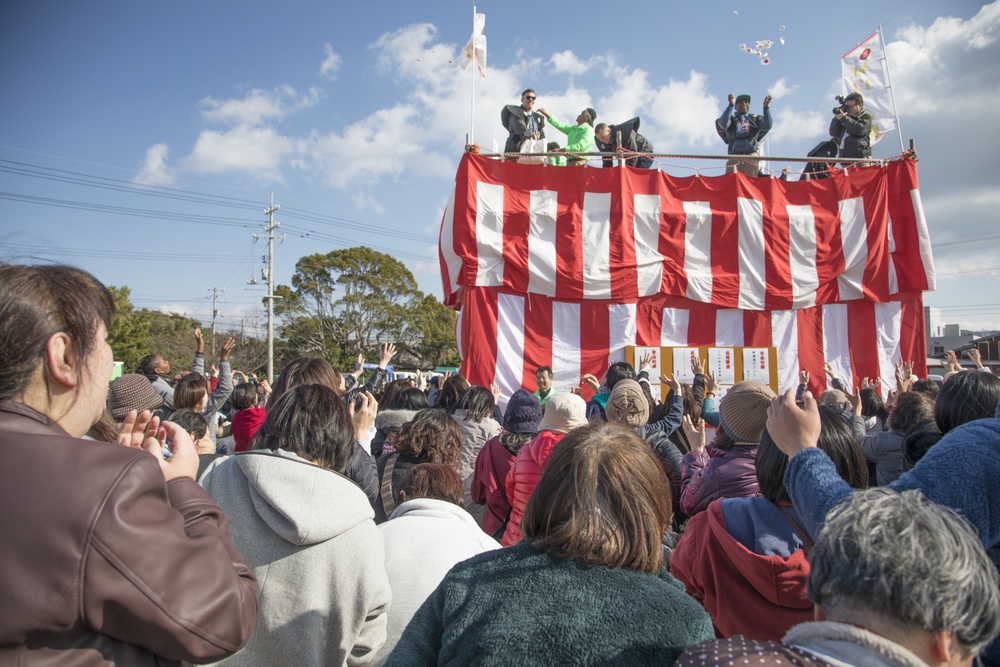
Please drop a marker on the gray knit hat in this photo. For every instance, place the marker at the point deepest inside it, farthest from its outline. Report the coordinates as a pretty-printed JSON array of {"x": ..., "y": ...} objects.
[
  {"x": 743, "y": 414},
  {"x": 627, "y": 404},
  {"x": 131, "y": 392},
  {"x": 563, "y": 413}
]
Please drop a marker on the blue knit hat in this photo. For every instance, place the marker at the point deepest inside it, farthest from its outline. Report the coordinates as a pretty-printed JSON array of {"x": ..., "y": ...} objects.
[{"x": 524, "y": 411}]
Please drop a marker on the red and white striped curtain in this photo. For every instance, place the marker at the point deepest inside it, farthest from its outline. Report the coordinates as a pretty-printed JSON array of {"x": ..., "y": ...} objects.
[{"x": 566, "y": 267}]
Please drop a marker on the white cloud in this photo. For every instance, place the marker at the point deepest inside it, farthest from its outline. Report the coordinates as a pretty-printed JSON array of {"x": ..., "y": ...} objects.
[
  {"x": 780, "y": 88},
  {"x": 567, "y": 62},
  {"x": 949, "y": 64},
  {"x": 792, "y": 125},
  {"x": 258, "y": 151},
  {"x": 154, "y": 169},
  {"x": 331, "y": 65},
  {"x": 257, "y": 106}
]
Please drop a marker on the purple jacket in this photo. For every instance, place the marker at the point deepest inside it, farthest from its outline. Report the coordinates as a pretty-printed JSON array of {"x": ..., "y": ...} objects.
[{"x": 715, "y": 473}]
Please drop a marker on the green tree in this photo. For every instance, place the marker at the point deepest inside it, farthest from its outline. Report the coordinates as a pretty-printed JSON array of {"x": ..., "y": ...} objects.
[
  {"x": 348, "y": 301},
  {"x": 430, "y": 334},
  {"x": 129, "y": 337}
]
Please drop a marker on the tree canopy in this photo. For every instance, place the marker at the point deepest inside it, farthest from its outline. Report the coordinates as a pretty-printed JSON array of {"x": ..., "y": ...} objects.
[{"x": 348, "y": 301}]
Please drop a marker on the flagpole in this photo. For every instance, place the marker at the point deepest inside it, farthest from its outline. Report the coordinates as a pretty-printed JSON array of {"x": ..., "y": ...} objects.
[
  {"x": 892, "y": 92},
  {"x": 472, "y": 71}
]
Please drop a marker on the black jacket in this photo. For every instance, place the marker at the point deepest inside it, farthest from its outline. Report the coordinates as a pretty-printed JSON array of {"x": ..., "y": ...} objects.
[
  {"x": 857, "y": 129},
  {"x": 631, "y": 141}
]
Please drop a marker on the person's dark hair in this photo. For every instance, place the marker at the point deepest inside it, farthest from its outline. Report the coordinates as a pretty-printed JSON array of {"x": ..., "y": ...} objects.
[
  {"x": 390, "y": 390},
  {"x": 513, "y": 442},
  {"x": 147, "y": 366},
  {"x": 306, "y": 370},
  {"x": 433, "y": 480},
  {"x": 543, "y": 368},
  {"x": 244, "y": 396},
  {"x": 600, "y": 127},
  {"x": 926, "y": 386},
  {"x": 836, "y": 438},
  {"x": 965, "y": 397},
  {"x": 190, "y": 391},
  {"x": 918, "y": 441},
  {"x": 478, "y": 402},
  {"x": 452, "y": 389},
  {"x": 432, "y": 435},
  {"x": 526, "y": 91},
  {"x": 602, "y": 500},
  {"x": 911, "y": 408},
  {"x": 191, "y": 421},
  {"x": 409, "y": 398},
  {"x": 37, "y": 302},
  {"x": 692, "y": 407},
  {"x": 311, "y": 421},
  {"x": 856, "y": 96},
  {"x": 872, "y": 404},
  {"x": 617, "y": 372},
  {"x": 902, "y": 558}
]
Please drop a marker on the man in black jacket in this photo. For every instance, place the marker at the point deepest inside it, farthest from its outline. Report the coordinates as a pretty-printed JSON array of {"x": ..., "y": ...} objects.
[
  {"x": 605, "y": 136},
  {"x": 852, "y": 125},
  {"x": 522, "y": 123}
]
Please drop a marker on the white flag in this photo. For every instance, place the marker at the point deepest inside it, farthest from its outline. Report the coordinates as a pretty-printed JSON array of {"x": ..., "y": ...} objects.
[
  {"x": 476, "y": 48},
  {"x": 864, "y": 71}
]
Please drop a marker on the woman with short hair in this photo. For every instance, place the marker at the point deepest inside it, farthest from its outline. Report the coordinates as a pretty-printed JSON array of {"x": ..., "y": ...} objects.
[{"x": 587, "y": 585}]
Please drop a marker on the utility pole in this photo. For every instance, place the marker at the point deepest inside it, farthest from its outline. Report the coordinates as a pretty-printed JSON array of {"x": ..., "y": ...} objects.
[
  {"x": 215, "y": 313},
  {"x": 271, "y": 226}
]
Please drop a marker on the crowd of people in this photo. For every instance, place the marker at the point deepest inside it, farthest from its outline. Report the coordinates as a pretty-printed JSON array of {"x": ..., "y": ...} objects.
[
  {"x": 337, "y": 519},
  {"x": 742, "y": 132}
]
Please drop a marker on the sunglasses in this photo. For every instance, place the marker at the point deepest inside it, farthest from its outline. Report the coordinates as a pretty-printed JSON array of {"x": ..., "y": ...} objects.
[{"x": 529, "y": 97}]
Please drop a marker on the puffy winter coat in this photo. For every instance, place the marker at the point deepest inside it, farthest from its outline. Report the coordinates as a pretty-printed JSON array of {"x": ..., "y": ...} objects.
[{"x": 523, "y": 478}]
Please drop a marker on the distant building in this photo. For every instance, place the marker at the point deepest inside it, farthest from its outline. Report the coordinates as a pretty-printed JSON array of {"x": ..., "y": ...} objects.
[{"x": 943, "y": 337}]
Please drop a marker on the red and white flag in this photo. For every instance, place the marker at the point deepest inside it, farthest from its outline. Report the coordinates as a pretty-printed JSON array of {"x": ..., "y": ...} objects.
[
  {"x": 568, "y": 267},
  {"x": 475, "y": 50},
  {"x": 865, "y": 71}
]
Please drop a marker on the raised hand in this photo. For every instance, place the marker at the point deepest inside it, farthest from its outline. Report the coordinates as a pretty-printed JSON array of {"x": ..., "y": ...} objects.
[
  {"x": 385, "y": 353},
  {"x": 697, "y": 367},
  {"x": 793, "y": 428},
  {"x": 199, "y": 340},
  {"x": 227, "y": 348},
  {"x": 976, "y": 357},
  {"x": 136, "y": 428},
  {"x": 591, "y": 381},
  {"x": 803, "y": 377},
  {"x": 711, "y": 386},
  {"x": 674, "y": 385},
  {"x": 645, "y": 361},
  {"x": 695, "y": 433}
]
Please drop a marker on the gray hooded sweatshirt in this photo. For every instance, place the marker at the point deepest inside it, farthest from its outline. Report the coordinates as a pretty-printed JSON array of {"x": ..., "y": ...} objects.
[{"x": 309, "y": 536}]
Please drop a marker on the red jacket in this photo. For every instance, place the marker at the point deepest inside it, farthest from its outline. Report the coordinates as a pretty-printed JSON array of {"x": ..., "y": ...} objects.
[
  {"x": 523, "y": 478},
  {"x": 489, "y": 483},
  {"x": 760, "y": 592},
  {"x": 245, "y": 425}
]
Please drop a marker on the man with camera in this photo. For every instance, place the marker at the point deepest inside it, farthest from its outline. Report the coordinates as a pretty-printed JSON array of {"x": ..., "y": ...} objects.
[
  {"x": 743, "y": 131},
  {"x": 851, "y": 127}
]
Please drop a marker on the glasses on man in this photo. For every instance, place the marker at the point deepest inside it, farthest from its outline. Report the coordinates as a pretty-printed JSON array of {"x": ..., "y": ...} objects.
[{"x": 529, "y": 97}]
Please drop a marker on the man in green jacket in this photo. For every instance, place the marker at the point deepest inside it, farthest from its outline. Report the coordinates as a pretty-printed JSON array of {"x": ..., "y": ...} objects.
[{"x": 579, "y": 137}]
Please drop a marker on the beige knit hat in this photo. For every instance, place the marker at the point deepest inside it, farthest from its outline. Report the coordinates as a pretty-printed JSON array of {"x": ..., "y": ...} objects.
[
  {"x": 743, "y": 414},
  {"x": 563, "y": 413},
  {"x": 627, "y": 404},
  {"x": 131, "y": 392}
]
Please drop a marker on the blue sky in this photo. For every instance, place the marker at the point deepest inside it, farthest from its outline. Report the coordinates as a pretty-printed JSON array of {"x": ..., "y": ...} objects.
[{"x": 354, "y": 116}]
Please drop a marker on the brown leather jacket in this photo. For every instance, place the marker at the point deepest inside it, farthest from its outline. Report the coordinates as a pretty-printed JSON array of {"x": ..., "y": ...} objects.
[{"x": 103, "y": 563}]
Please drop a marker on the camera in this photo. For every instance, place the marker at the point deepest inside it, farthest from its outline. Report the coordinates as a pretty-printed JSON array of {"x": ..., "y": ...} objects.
[{"x": 843, "y": 104}]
